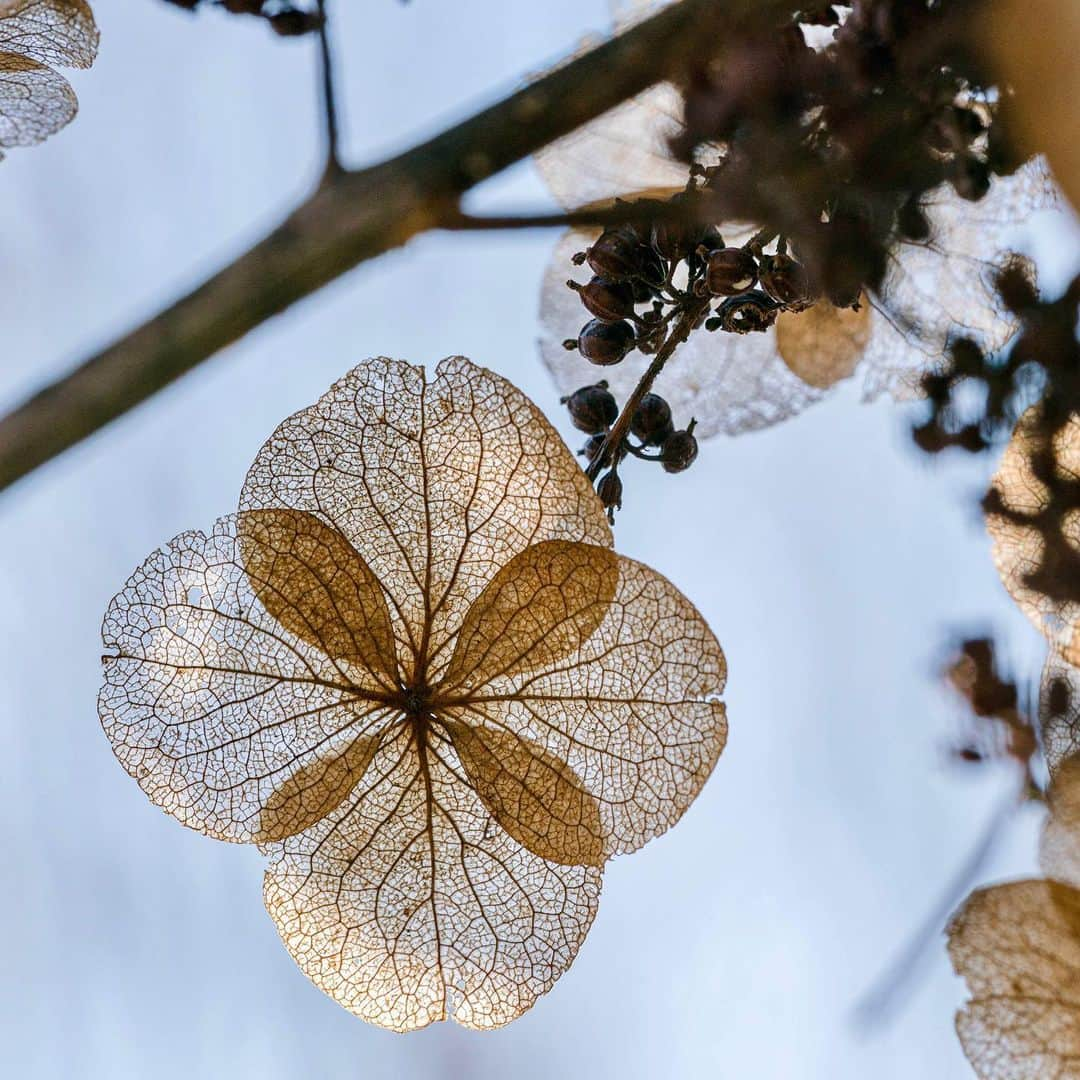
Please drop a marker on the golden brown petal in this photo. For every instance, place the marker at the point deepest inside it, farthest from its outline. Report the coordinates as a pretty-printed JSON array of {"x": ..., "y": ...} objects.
[
  {"x": 314, "y": 582},
  {"x": 316, "y": 790},
  {"x": 210, "y": 703},
  {"x": 56, "y": 32},
  {"x": 540, "y": 608},
  {"x": 1020, "y": 550},
  {"x": 437, "y": 484},
  {"x": 410, "y": 903},
  {"x": 532, "y": 795},
  {"x": 35, "y": 102},
  {"x": 634, "y": 714},
  {"x": 823, "y": 344},
  {"x": 1018, "y": 948}
]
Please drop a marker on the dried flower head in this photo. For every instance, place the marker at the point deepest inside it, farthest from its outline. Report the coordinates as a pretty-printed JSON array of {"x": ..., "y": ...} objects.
[
  {"x": 932, "y": 278},
  {"x": 413, "y": 671},
  {"x": 37, "y": 36}
]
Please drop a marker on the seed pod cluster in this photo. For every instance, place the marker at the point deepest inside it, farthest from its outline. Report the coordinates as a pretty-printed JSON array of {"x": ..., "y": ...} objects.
[{"x": 649, "y": 434}]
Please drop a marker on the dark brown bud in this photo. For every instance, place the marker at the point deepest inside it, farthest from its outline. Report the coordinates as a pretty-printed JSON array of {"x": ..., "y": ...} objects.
[
  {"x": 291, "y": 22},
  {"x": 243, "y": 7},
  {"x": 616, "y": 255},
  {"x": 592, "y": 409},
  {"x": 605, "y": 343},
  {"x": 730, "y": 271},
  {"x": 785, "y": 280},
  {"x": 679, "y": 450},
  {"x": 607, "y": 300},
  {"x": 673, "y": 240},
  {"x": 651, "y": 421},
  {"x": 610, "y": 491}
]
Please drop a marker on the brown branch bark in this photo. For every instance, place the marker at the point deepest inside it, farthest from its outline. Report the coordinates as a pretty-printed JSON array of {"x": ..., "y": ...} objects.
[{"x": 352, "y": 217}]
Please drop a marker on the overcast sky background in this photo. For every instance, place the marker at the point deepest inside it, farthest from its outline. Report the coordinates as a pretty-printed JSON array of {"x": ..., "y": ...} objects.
[{"x": 830, "y": 560}]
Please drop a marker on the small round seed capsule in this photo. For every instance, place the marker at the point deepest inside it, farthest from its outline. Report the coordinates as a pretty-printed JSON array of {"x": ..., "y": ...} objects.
[
  {"x": 610, "y": 491},
  {"x": 607, "y": 300},
  {"x": 730, "y": 271},
  {"x": 679, "y": 450},
  {"x": 672, "y": 240},
  {"x": 785, "y": 280},
  {"x": 592, "y": 409},
  {"x": 616, "y": 255},
  {"x": 291, "y": 22},
  {"x": 605, "y": 343},
  {"x": 651, "y": 422}
]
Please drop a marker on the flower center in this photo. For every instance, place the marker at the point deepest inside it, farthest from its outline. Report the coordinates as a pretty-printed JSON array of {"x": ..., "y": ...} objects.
[{"x": 415, "y": 701}]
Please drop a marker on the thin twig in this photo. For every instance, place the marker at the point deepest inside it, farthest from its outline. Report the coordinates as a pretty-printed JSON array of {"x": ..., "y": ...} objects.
[
  {"x": 880, "y": 1001},
  {"x": 679, "y": 333},
  {"x": 329, "y": 94}
]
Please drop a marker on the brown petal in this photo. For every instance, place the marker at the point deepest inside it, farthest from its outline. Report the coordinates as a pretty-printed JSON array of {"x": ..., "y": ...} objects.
[
  {"x": 823, "y": 344},
  {"x": 540, "y": 608},
  {"x": 409, "y": 904},
  {"x": 316, "y": 790},
  {"x": 1018, "y": 948},
  {"x": 209, "y": 702},
  {"x": 312, "y": 580},
  {"x": 634, "y": 713},
  {"x": 35, "y": 102},
  {"x": 57, "y": 32},
  {"x": 532, "y": 795},
  {"x": 437, "y": 482}
]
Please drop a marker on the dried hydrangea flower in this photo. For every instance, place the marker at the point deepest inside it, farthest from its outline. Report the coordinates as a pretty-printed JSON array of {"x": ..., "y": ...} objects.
[
  {"x": 932, "y": 290},
  {"x": 1021, "y": 550},
  {"x": 412, "y": 670},
  {"x": 35, "y": 37},
  {"x": 1018, "y": 948}
]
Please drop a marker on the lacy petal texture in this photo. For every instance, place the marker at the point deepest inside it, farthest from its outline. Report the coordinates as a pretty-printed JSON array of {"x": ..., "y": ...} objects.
[
  {"x": 37, "y": 36},
  {"x": 413, "y": 671}
]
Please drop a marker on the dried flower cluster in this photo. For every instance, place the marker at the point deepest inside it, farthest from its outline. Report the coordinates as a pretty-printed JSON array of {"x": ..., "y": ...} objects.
[
  {"x": 413, "y": 671},
  {"x": 858, "y": 260},
  {"x": 37, "y": 36}
]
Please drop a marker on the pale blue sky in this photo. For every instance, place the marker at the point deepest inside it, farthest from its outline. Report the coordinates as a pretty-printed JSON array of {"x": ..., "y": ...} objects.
[{"x": 829, "y": 559}]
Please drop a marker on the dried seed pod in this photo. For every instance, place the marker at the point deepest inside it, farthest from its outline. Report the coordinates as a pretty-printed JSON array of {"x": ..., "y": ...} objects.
[
  {"x": 651, "y": 422},
  {"x": 243, "y": 7},
  {"x": 753, "y": 311},
  {"x": 617, "y": 254},
  {"x": 604, "y": 342},
  {"x": 730, "y": 271},
  {"x": 679, "y": 450},
  {"x": 673, "y": 240},
  {"x": 592, "y": 409},
  {"x": 786, "y": 280},
  {"x": 291, "y": 22},
  {"x": 610, "y": 491},
  {"x": 608, "y": 300}
]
